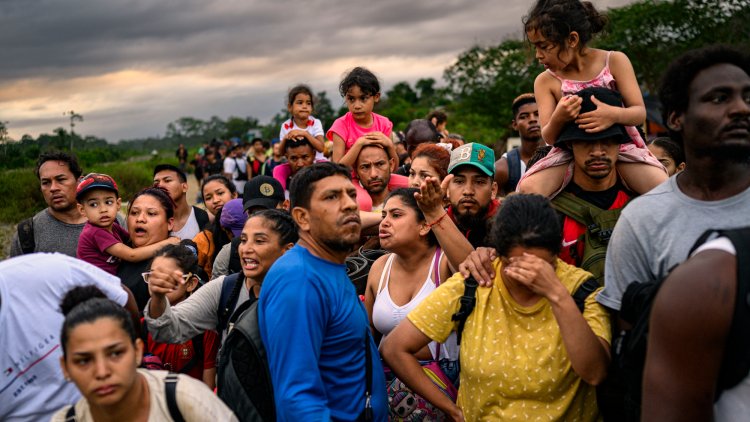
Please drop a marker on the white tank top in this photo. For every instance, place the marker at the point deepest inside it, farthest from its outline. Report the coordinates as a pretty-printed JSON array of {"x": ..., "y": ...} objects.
[{"x": 386, "y": 315}]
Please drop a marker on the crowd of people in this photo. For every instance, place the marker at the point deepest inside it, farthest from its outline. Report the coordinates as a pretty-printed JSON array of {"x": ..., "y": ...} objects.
[{"x": 496, "y": 289}]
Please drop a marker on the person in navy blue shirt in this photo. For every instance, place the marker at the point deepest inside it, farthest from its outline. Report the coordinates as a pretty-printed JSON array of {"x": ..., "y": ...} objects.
[{"x": 313, "y": 325}]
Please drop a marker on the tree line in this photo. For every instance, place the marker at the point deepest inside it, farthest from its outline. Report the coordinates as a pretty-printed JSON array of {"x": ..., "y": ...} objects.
[{"x": 477, "y": 90}]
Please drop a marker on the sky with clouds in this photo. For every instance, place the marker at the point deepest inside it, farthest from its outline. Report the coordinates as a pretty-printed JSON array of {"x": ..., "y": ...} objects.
[{"x": 132, "y": 66}]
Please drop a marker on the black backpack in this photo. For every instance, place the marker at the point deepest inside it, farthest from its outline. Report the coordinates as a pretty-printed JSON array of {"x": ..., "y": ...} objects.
[
  {"x": 26, "y": 235},
  {"x": 241, "y": 175},
  {"x": 599, "y": 225},
  {"x": 629, "y": 350},
  {"x": 244, "y": 381},
  {"x": 514, "y": 170}
]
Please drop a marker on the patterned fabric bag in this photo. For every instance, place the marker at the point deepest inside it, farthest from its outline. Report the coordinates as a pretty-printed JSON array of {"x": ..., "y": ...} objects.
[{"x": 405, "y": 405}]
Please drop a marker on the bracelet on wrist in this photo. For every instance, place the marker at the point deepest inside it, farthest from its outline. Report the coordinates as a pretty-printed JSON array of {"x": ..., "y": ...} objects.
[{"x": 437, "y": 222}]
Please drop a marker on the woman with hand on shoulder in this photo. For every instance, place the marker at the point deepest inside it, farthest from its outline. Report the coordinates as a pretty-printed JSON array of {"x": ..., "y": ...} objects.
[
  {"x": 101, "y": 355},
  {"x": 527, "y": 350}
]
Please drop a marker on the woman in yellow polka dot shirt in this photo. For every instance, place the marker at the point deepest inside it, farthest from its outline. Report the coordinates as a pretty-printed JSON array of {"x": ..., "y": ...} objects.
[{"x": 527, "y": 351}]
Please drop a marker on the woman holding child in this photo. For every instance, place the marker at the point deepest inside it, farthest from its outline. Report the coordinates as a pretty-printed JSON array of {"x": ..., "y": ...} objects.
[{"x": 150, "y": 218}]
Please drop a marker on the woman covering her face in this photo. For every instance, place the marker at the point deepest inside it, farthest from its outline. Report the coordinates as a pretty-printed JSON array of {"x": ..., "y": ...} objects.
[{"x": 527, "y": 350}]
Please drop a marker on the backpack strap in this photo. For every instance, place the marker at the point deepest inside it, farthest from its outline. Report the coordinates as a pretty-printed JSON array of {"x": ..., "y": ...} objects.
[
  {"x": 468, "y": 301},
  {"x": 235, "y": 265},
  {"x": 736, "y": 360},
  {"x": 575, "y": 208},
  {"x": 70, "y": 415},
  {"x": 367, "y": 415},
  {"x": 144, "y": 333},
  {"x": 170, "y": 385},
  {"x": 513, "y": 158},
  {"x": 584, "y": 291},
  {"x": 201, "y": 217},
  {"x": 230, "y": 293},
  {"x": 26, "y": 235}
]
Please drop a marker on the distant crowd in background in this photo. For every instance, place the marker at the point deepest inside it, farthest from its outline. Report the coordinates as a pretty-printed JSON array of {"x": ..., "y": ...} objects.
[{"x": 360, "y": 272}]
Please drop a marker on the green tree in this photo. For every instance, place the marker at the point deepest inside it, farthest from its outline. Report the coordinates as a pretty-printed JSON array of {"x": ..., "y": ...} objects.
[
  {"x": 652, "y": 33},
  {"x": 483, "y": 83},
  {"x": 237, "y": 127},
  {"x": 324, "y": 109}
]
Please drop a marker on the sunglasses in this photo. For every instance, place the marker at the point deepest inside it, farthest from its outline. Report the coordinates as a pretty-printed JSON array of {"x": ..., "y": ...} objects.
[{"x": 185, "y": 277}]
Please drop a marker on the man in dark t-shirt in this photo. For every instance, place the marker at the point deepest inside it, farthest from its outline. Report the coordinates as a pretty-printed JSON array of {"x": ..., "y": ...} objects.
[{"x": 595, "y": 180}]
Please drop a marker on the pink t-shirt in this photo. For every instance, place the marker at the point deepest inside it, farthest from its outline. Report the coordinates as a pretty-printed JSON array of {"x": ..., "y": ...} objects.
[
  {"x": 350, "y": 131},
  {"x": 94, "y": 240},
  {"x": 282, "y": 173}
]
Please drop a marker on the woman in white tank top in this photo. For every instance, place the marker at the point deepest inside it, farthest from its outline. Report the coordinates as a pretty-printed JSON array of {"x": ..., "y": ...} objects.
[{"x": 400, "y": 280}]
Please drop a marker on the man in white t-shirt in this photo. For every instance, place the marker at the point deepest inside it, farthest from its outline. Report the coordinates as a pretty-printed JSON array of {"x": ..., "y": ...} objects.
[
  {"x": 188, "y": 221},
  {"x": 235, "y": 168},
  {"x": 32, "y": 386}
]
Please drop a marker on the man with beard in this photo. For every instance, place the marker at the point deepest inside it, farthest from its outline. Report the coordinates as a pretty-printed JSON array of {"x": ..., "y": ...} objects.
[
  {"x": 472, "y": 190},
  {"x": 373, "y": 167},
  {"x": 313, "y": 325},
  {"x": 595, "y": 186},
  {"x": 513, "y": 164},
  {"x": 57, "y": 227}
]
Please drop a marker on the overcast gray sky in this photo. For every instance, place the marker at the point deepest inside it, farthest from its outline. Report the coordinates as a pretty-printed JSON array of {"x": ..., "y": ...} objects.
[{"x": 132, "y": 66}]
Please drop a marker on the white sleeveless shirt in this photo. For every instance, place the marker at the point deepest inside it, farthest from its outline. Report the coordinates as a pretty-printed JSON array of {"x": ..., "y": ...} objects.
[{"x": 386, "y": 315}]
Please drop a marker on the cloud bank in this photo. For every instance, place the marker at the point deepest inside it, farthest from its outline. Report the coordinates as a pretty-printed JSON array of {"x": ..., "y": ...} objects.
[{"x": 130, "y": 67}]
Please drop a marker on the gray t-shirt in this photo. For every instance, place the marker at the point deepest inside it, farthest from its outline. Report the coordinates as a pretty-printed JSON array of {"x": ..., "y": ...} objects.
[
  {"x": 221, "y": 263},
  {"x": 656, "y": 231},
  {"x": 50, "y": 235},
  {"x": 192, "y": 316}
]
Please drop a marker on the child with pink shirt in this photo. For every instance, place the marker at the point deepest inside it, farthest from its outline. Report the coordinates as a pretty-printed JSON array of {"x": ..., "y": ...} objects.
[{"x": 360, "y": 126}]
